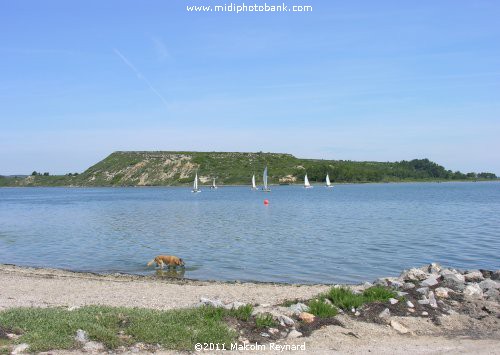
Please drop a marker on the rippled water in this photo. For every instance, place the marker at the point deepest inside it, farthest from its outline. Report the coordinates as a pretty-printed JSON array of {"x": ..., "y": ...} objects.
[{"x": 351, "y": 233}]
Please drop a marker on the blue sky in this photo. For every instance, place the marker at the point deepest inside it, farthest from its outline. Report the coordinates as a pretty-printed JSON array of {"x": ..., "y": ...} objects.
[{"x": 359, "y": 80}]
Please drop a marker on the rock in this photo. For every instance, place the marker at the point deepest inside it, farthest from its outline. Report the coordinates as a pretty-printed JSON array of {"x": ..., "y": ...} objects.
[
  {"x": 393, "y": 300},
  {"x": 21, "y": 348},
  {"x": 235, "y": 305},
  {"x": 213, "y": 303},
  {"x": 425, "y": 314},
  {"x": 385, "y": 314},
  {"x": 492, "y": 295},
  {"x": 286, "y": 321},
  {"x": 294, "y": 334},
  {"x": 81, "y": 336},
  {"x": 435, "y": 268},
  {"x": 408, "y": 286},
  {"x": 273, "y": 330},
  {"x": 243, "y": 340},
  {"x": 401, "y": 293},
  {"x": 432, "y": 300},
  {"x": 410, "y": 304},
  {"x": 299, "y": 308},
  {"x": 73, "y": 308},
  {"x": 306, "y": 317},
  {"x": 473, "y": 291},
  {"x": 367, "y": 285},
  {"x": 353, "y": 310},
  {"x": 423, "y": 301},
  {"x": 441, "y": 292},
  {"x": 495, "y": 275},
  {"x": 93, "y": 346},
  {"x": 430, "y": 281},
  {"x": 453, "y": 281},
  {"x": 414, "y": 275},
  {"x": 474, "y": 276},
  {"x": 357, "y": 314},
  {"x": 265, "y": 335},
  {"x": 489, "y": 284},
  {"x": 450, "y": 275},
  {"x": 411, "y": 310},
  {"x": 423, "y": 290},
  {"x": 399, "y": 327}
]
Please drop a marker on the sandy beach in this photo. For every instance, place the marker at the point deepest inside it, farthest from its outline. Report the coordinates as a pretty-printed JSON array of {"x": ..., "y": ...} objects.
[{"x": 456, "y": 333}]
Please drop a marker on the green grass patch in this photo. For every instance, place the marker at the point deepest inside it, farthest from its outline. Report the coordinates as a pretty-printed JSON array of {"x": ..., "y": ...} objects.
[
  {"x": 54, "y": 328},
  {"x": 346, "y": 299},
  {"x": 265, "y": 321},
  {"x": 321, "y": 309},
  {"x": 242, "y": 313}
]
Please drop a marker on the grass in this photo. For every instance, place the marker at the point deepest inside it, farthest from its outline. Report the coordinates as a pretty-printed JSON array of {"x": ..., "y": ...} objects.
[
  {"x": 242, "y": 313},
  {"x": 265, "y": 321},
  {"x": 322, "y": 309},
  {"x": 346, "y": 299},
  {"x": 54, "y": 328}
]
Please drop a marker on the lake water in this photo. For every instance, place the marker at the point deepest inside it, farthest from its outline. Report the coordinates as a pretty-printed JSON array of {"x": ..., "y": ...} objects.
[{"x": 347, "y": 234}]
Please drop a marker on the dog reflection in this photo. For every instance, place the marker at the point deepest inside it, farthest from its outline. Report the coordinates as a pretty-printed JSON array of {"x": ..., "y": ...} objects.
[{"x": 171, "y": 273}]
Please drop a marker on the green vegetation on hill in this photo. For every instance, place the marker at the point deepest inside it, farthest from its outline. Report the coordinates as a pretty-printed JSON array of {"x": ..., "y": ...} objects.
[{"x": 178, "y": 168}]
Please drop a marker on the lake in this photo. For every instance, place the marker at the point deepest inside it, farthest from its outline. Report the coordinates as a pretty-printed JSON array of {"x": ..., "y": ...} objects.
[{"x": 348, "y": 234}]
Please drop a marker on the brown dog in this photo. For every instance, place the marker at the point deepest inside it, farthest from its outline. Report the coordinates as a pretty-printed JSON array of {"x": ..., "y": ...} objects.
[{"x": 170, "y": 260}]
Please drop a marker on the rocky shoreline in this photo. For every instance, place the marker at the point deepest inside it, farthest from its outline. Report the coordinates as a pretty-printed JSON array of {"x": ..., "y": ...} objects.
[{"x": 434, "y": 307}]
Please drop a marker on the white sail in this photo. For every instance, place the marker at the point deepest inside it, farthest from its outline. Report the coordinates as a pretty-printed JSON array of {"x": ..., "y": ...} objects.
[
  {"x": 253, "y": 182},
  {"x": 306, "y": 182},
  {"x": 195, "y": 184},
  {"x": 264, "y": 178},
  {"x": 328, "y": 183}
]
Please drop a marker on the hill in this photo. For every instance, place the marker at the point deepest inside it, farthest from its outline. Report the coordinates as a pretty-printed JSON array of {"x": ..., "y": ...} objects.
[{"x": 178, "y": 168}]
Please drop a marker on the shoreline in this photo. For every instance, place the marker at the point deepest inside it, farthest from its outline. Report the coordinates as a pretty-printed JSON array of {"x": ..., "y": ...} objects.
[
  {"x": 461, "y": 322},
  {"x": 249, "y": 186}
]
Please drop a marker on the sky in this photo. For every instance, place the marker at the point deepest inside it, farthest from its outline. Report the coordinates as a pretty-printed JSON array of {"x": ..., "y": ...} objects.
[{"x": 351, "y": 80}]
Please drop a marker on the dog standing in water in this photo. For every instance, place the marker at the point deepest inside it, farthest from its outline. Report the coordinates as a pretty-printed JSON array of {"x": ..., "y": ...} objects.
[{"x": 169, "y": 260}]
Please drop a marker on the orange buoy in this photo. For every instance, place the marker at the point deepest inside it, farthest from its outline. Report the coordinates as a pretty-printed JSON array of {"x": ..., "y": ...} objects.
[{"x": 266, "y": 202}]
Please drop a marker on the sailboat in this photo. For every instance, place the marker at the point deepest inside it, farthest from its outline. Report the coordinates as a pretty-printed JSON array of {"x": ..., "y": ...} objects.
[
  {"x": 254, "y": 187},
  {"x": 307, "y": 185},
  {"x": 195, "y": 185},
  {"x": 328, "y": 183},
  {"x": 213, "y": 185},
  {"x": 264, "y": 178}
]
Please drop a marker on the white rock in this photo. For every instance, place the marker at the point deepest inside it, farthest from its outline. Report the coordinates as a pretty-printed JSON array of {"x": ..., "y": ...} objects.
[
  {"x": 393, "y": 300},
  {"x": 294, "y": 334},
  {"x": 423, "y": 290},
  {"x": 21, "y": 348},
  {"x": 408, "y": 286},
  {"x": 286, "y": 321},
  {"x": 265, "y": 335},
  {"x": 410, "y": 304},
  {"x": 235, "y": 305},
  {"x": 432, "y": 300},
  {"x": 385, "y": 314},
  {"x": 424, "y": 301},
  {"x": 81, "y": 336},
  {"x": 474, "y": 276},
  {"x": 424, "y": 313},
  {"x": 401, "y": 293},
  {"x": 489, "y": 284},
  {"x": 92, "y": 346},
  {"x": 399, "y": 327},
  {"x": 473, "y": 290},
  {"x": 357, "y": 314},
  {"x": 273, "y": 330},
  {"x": 208, "y": 302},
  {"x": 414, "y": 275},
  {"x": 299, "y": 308},
  {"x": 442, "y": 292},
  {"x": 434, "y": 268},
  {"x": 430, "y": 281},
  {"x": 453, "y": 276}
]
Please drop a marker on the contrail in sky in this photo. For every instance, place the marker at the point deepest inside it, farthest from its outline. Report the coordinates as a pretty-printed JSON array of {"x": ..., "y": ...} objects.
[{"x": 140, "y": 76}]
